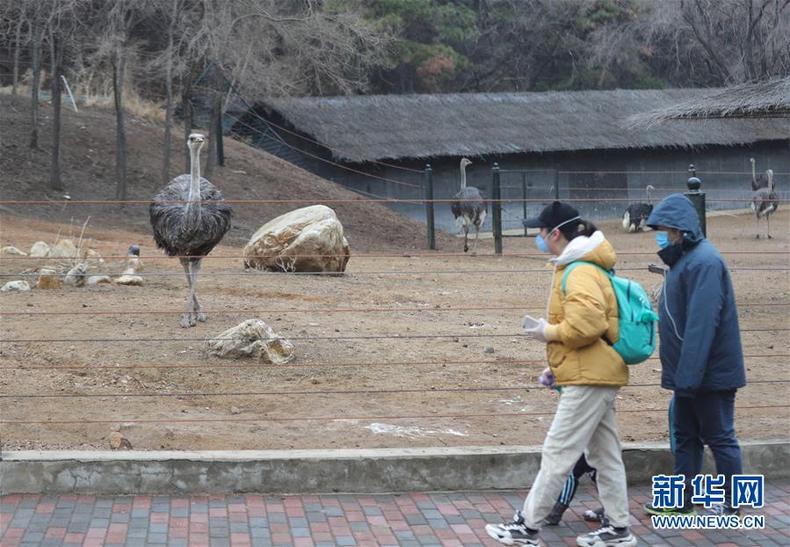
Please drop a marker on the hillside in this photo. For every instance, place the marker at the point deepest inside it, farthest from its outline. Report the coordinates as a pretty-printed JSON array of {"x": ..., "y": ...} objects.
[{"x": 88, "y": 163}]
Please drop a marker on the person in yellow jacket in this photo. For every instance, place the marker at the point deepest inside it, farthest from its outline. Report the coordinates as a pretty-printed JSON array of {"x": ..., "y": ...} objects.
[{"x": 581, "y": 328}]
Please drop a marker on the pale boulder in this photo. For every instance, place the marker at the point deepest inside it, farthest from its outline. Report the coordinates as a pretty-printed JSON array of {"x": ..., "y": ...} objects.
[
  {"x": 39, "y": 250},
  {"x": 309, "y": 239},
  {"x": 98, "y": 280},
  {"x": 12, "y": 251},
  {"x": 64, "y": 248},
  {"x": 252, "y": 338},
  {"x": 16, "y": 286},
  {"x": 130, "y": 280},
  {"x": 76, "y": 276}
]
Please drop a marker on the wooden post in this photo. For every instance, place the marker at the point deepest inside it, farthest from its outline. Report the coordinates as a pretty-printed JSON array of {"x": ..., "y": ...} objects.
[
  {"x": 429, "y": 220},
  {"x": 496, "y": 209}
]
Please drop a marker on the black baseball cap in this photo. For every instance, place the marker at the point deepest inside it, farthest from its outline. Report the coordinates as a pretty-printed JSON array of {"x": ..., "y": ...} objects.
[{"x": 552, "y": 216}]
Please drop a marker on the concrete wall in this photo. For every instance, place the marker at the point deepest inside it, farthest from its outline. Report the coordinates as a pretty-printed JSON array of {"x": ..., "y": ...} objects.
[{"x": 324, "y": 471}]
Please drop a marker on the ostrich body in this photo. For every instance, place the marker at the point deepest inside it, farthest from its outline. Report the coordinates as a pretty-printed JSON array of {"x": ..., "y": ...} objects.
[
  {"x": 764, "y": 201},
  {"x": 636, "y": 215},
  {"x": 469, "y": 208},
  {"x": 189, "y": 218}
]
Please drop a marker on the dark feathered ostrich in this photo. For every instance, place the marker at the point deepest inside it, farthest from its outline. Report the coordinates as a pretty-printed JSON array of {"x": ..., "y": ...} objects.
[
  {"x": 636, "y": 215},
  {"x": 189, "y": 218},
  {"x": 764, "y": 199},
  {"x": 469, "y": 208}
]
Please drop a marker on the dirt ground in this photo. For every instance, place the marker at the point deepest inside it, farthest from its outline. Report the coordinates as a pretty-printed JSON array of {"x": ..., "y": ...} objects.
[{"x": 370, "y": 369}]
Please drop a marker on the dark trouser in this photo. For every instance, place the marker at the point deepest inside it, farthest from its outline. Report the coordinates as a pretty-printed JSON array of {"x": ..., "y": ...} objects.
[
  {"x": 569, "y": 490},
  {"x": 706, "y": 418}
]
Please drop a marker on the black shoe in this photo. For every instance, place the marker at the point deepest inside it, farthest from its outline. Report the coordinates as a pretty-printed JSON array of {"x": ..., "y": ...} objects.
[
  {"x": 514, "y": 532},
  {"x": 605, "y": 536},
  {"x": 555, "y": 516},
  {"x": 685, "y": 510},
  {"x": 594, "y": 516}
]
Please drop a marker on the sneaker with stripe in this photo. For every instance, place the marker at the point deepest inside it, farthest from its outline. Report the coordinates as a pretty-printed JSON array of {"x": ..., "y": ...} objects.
[
  {"x": 607, "y": 535},
  {"x": 514, "y": 532}
]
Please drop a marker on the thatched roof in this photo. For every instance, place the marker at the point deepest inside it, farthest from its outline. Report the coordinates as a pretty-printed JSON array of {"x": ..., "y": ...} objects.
[
  {"x": 363, "y": 128},
  {"x": 769, "y": 99}
]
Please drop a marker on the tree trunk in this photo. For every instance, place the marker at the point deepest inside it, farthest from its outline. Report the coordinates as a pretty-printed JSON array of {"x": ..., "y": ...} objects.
[
  {"x": 169, "y": 97},
  {"x": 186, "y": 104},
  {"x": 54, "y": 167},
  {"x": 17, "y": 47},
  {"x": 36, "y": 36},
  {"x": 216, "y": 101},
  {"x": 120, "y": 132}
]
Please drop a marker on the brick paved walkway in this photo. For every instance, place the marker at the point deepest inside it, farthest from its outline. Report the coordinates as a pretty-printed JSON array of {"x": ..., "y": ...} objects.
[{"x": 408, "y": 519}]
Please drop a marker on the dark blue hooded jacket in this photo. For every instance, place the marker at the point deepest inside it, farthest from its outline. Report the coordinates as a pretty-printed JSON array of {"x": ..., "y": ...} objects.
[{"x": 697, "y": 305}]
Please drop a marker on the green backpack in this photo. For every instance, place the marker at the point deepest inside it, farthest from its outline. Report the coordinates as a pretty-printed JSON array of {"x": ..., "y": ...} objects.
[{"x": 637, "y": 333}]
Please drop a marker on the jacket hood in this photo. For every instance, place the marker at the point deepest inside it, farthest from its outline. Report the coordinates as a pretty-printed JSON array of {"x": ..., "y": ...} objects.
[
  {"x": 594, "y": 249},
  {"x": 676, "y": 211}
]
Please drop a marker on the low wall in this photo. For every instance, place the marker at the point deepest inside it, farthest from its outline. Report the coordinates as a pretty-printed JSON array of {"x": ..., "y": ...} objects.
[{"x": 323, "y": 471}]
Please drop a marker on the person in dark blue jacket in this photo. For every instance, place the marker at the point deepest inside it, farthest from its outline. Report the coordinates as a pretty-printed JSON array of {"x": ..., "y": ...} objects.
[{"x": 700, "y": 346}]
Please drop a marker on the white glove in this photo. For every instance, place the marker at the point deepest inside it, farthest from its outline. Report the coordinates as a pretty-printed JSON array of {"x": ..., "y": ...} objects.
[{"x": 535, "y": 328}]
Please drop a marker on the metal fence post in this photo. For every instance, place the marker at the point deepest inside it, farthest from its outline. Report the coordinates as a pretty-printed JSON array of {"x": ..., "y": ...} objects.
[
  {"x": 496, "y": 208},
  {"x": 524, "y": 198},
  {"x": 556, "y": 184},
  {"x": 429, "y": 221},
  {"x": 697, "y": 197}
]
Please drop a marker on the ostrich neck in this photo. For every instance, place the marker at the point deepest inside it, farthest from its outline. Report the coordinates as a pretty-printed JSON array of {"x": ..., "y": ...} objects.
[
  {"x": 193, "y": 197},
  {"x": 463, "y": 177}
]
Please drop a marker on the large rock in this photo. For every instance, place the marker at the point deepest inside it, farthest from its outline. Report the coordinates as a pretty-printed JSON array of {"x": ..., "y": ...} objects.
[
  {"x": 48, "y": 279},
  {"x": 16, "y": 286},
  {"x": 64, "y": 248},
  {"x": 309, "y": 239},
  {"x": 76, "y": 276},
  {"x": 12, "y": 251},
  {"x": 252, "y": 338},
  {"x": 39, "y": 249}
]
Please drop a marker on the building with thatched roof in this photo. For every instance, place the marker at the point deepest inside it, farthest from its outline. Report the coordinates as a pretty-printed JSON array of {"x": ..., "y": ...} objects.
[
  {"x": 576, "y": 140},
  {"x": 765, "y": 100}
]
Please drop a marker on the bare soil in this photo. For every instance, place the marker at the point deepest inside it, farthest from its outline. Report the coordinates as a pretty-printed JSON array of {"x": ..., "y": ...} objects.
[{"x": 402, "y": 390}]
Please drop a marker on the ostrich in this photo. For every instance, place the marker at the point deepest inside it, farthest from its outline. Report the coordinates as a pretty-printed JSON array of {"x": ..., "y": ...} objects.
[
  {"x": 761, "y": 180},
  {"x": 189, "y": 218},
  {"x": 469, "y": 207},
  {"x": 764, "y": 200},
  {"x": 636, "y": 215}
]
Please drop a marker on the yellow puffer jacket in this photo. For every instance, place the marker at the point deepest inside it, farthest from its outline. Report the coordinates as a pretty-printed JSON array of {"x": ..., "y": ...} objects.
[{"x": 580, "y": 318}]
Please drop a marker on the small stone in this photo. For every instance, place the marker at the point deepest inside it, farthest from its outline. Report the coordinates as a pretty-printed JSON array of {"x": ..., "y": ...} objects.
[
  {"x": 118, "y": 441},
  {"x": 99, "y": 280},
  {"x": 39, "y": 249},
  {"x": 131, "y": 280},
  {"x": 16, "y": 286},
  {"x": 488, "y": 349},
  {"x": 11, "y": 250},
  {"x": 235, "y": 410},
  {"x": 48, "y": 279}
]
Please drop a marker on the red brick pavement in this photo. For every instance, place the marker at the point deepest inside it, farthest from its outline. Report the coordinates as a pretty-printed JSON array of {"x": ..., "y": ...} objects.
[{"x": 447, "y": 519}]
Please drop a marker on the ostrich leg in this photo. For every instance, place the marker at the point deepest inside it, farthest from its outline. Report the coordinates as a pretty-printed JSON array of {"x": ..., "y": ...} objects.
[
  {"x": 768, "y": 221},
  {"x": 477, "y": 237},
  {"x": 466, "y": 237},
  {"x": 757, "y": 223},
  {"x": 188, "y": 319},
  {"x": 199, "y": 315}
]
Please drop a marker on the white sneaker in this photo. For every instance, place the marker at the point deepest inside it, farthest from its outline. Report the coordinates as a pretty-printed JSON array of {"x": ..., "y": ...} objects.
[
  {"x": 607, "y": 535},
  {"x": 514, "y": 532}
]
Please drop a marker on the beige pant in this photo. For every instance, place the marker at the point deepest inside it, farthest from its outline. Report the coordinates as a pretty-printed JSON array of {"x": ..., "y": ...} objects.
[{"x": 584, "y": 423}]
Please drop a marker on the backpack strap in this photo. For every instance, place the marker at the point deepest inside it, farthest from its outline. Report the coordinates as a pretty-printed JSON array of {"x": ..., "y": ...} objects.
[{"x": 569, "y": 268}]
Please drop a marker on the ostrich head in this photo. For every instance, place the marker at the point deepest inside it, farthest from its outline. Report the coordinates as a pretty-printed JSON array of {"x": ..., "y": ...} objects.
[
  {"x": 465, "y": 162},
  {"x": 195, "y": 141}
]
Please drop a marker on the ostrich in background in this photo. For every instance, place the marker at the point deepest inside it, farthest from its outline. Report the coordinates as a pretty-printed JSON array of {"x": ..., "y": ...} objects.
[
  {"x": 469, "y": 207},
  {"x": 764, "y": 199},
  {"x": 761, "y": 180},
  {"x": 636, "y": 215},
  {"x": 189, "y": 218}
]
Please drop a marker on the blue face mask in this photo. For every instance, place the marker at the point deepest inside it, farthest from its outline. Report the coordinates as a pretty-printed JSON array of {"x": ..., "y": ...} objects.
[
  {"x": 662, "y": 239},
  {"x": 541, "y": 244}
]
